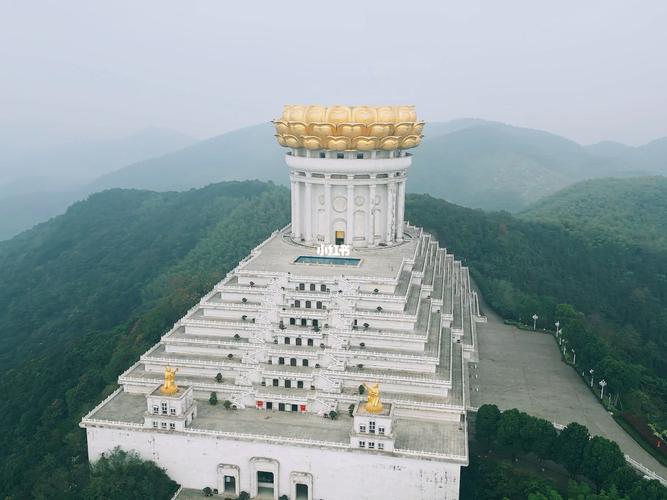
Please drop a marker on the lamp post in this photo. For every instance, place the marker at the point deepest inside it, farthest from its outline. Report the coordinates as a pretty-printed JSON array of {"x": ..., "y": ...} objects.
[
  {"x": 557, "y": 324},
  {"x": 574, "y": 357},
  {"x": 535, "y": 318},
  {"x": 591, "y": 372},
  {"x": 564, "y": 346},
  {"x": 602, "y": 383}
]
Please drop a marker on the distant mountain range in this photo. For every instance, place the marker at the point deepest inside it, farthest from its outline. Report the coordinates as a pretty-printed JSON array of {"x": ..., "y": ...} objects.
[{"x": 471, "y": 162}]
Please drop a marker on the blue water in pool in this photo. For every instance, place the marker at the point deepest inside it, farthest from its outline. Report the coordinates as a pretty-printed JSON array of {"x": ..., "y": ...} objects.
[{"x": 328, "y": 261}]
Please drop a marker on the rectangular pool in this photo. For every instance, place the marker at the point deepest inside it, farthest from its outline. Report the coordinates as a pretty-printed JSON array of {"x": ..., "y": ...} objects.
[{"x": 327, "y": 261}]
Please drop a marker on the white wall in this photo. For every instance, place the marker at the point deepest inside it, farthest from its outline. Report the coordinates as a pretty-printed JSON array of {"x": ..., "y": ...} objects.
[{"x": 192, "y": 460}]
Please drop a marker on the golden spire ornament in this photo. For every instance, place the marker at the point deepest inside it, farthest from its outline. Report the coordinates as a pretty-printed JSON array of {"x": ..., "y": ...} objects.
[
  {"x": 169, "y": 386},
  {"x": 373, "y": 404}
]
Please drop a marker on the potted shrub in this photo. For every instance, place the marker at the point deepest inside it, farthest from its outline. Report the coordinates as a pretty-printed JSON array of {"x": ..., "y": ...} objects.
[
  {"x": 237, "y": 336},
  {"x": 230, "y": 356},
  {"x": 244, "y": 300},
  {"x": 227, "y": 404},
  {"x": 362, "y": 345},
  {"x": 333, "y": 415},
  {"x": 362, "y": 389},
  {"x": 360, "y": 366},
  {"x": 350, "y": 409},
  {"x": 218, "y": 377},
  {"x": 213, "y": 399},
  {"x": 208, "y": 492}
]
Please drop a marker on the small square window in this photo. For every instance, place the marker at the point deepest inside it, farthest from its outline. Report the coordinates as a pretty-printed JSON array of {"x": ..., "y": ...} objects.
[
  {"x": 156, "y": 409},
  {"x": 340, "y": 156},
  {"x": 299, "y": 384},
  {"x": 380, "y": 430},
  {"x": 172, "y": 411},
  {"x": 360, "y": 156},
  {"x": 287, "y": 340},
  {"x": 310, "y": 341},
  {"x": 362, "y": 428},
  {"x": 164, "y": 408},
  {"x": 155, "y": 424},
  {"x": 295, "y": 408},
  {"x": 362, "y": 444},
  {"x": 323, "y": 288},
  {"x": 371, "y": 445},
  {"x": 380, "y": 446},
  {"x": 275, "y": 382},
  {"x": 312, "y": 287},
  {"x": 323, "y": 154},
  {"x": 172, "y": 426},
  {"x": 164, "y": 425},
  {"x": 371, "y": 427}
]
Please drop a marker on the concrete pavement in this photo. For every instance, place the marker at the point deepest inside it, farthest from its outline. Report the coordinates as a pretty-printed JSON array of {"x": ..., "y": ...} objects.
[{"x": 523, "y": 369}]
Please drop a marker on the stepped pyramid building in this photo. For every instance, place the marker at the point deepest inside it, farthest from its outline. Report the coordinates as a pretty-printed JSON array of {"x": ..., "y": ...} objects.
[{"x": 337, "y": 349}]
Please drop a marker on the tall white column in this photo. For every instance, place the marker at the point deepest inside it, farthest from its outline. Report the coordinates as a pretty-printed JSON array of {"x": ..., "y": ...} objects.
[
  {"x": 400, "y": 214},
  {"x": 389, "y": 233},
  {"x": 327, "y": 208},
  {"x": 349, "y": 230},
  {"x": 308, "y": 213},
  {"x": 296, "y": 215},
  {"x": 292, "y": 199},
  {"x": 370, "y": 228}
]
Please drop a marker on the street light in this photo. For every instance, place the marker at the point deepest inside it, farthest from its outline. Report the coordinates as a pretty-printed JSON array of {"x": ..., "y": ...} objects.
[
  {"x": 574, "y": 357},
  {"x": 557, "y": 324},
  {"x": 591, "y": 372},
  {"x": 535, "y": 318},
  {"x": 602, "y": 383}
]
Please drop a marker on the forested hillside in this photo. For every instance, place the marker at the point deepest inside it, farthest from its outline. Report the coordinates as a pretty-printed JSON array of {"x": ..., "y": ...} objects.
[
  {"x": 85, "y": 294},
  {"x": 631, "y": 211}
]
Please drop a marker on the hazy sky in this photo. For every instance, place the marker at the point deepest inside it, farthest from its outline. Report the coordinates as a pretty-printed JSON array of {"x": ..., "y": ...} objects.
[{"x": 589, "y": 70}]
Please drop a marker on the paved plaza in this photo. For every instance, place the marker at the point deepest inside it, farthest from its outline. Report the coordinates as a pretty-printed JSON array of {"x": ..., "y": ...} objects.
[{"x": 522, "y": 369}]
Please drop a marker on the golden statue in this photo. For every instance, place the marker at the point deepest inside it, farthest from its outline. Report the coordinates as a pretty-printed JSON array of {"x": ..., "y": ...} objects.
[
  {"x": 373, "y": 404},
  {"x": 169, "y": 386}
]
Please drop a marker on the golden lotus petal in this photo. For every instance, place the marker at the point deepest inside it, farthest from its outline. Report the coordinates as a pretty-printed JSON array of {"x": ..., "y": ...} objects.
[
  {"x": 281, "y": 140},
  {"x": 292, "y": 141},
  {"x": 365, "y": 143},
  {"x": 418, "y": 128},
  {"x": 322, "y": 130},
  {"x": 315, "y": 114},
  {"x": 402, "y": 129},
  {"x": 385, "y": 114},
  {"x": 286, "y": 110},
  {"x": 281, "y": 126},
  {"x": 298, "y": 128},
  {"x": 351, "y": 129},
  {"x": 389, "y": 143},
  {"x": 364, "y": 114},
  {"x": 338, "y": 143},
  {"x": 311, "y": 142},
  {"x": 380, "y": 129},
  {"x": 338, "y": 114},
  {"x": 297, "y": 113},
  {"x": 410, "y": 141},
  {"x": 406, "y": 114}
]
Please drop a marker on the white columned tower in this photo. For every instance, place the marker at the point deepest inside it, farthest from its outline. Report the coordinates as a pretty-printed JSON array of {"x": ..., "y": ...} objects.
[{"x": 348, "y": 168}]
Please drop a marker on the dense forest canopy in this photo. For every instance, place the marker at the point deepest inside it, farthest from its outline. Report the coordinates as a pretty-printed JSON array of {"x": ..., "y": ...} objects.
[
  {"x": 630, "y": 211},
  {"x": 86, "y": 293}
]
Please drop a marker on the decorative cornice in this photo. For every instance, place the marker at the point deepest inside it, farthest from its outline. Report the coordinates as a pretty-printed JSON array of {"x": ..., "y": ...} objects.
[{"x": 341, "y": 128}]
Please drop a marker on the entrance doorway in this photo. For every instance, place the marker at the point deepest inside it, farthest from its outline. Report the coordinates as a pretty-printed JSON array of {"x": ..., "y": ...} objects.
[
  {"x": 301, "y": 491},
  {"x": 264, "y": 484},
  {"x": 340, "y": 237},
  {"x": 230, "y": 484}
]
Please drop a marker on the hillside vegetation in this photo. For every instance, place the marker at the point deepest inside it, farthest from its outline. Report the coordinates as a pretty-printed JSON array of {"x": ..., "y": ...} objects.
[
  {"x": 631, "y": 211},
  {"x": 85, "y": 294}
]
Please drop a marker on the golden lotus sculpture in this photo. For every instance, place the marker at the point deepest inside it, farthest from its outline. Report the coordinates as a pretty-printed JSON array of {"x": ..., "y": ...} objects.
[{"x": 342, "y": 128}]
